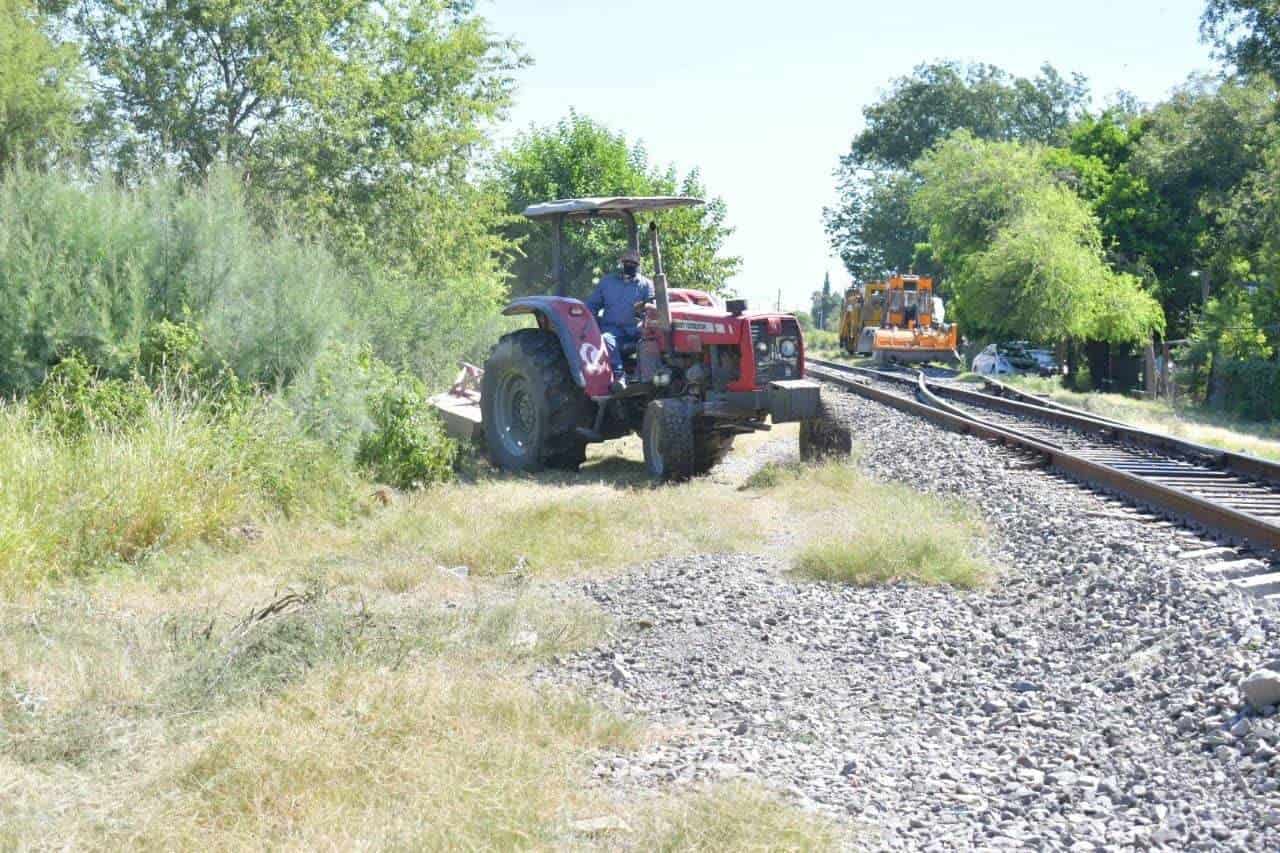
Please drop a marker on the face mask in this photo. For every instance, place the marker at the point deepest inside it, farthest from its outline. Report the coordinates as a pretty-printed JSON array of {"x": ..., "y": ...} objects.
[{"x": 630, "y": 269}]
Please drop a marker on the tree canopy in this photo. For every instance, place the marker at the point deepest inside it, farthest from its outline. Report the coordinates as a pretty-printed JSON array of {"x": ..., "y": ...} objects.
[
  {"x": 578, "y": 157},
  {"x": 938, "y": 99},
  {"x": 1246, "y": 33},
  {"x": 39, "y": 98},
  {"x": 1023, "y": 252},
  {"x": 870, "y": 227}
]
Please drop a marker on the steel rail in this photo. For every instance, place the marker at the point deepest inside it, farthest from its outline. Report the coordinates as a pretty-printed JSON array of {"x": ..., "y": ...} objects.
[
  {"x": 1023, "y": 404},
  {"x": 1234, "y": 524},
  {"x": 1002, "y": 389}
]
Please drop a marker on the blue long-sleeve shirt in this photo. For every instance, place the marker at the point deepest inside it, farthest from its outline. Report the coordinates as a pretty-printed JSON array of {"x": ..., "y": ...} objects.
[{"x": 617, "y": 297}]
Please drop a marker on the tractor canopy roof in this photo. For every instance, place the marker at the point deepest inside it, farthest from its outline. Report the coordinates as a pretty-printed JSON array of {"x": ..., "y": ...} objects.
[{"x": 607, "y": 208}]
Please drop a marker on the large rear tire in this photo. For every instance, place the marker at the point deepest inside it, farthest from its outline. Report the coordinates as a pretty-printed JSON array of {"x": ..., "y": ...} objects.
[
  {"x": 531, "y": 406},
  {"x": 667, "y": 436}
]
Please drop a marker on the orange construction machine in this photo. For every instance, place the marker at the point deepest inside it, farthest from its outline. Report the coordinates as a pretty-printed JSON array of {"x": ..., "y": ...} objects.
[{"x": 897, "y": 320}]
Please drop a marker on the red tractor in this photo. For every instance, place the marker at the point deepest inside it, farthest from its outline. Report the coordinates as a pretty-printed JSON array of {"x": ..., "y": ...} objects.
[{"x": 702, "y": 372}]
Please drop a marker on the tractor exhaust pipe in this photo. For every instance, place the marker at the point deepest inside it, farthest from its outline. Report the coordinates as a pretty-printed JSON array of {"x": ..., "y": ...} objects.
[{"x": 659, "y": 280}]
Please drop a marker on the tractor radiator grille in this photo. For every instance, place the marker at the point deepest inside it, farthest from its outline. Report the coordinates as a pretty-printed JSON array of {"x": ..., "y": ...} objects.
[{"x": 771, "y": 365}]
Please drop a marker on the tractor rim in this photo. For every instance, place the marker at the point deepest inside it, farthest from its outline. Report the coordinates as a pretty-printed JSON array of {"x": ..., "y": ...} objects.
[{"x": 516, "y": 414}]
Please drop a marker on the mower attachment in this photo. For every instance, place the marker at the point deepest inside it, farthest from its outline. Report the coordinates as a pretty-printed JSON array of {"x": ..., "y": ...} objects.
[{"x": 459, "y": 407}]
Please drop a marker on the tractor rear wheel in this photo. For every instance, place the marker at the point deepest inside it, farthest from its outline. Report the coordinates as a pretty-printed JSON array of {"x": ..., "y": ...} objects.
[
  {"x": 530, "y": 405},
  {"x": 667, "y": 436},
  {"x": 709, "y": 449}
]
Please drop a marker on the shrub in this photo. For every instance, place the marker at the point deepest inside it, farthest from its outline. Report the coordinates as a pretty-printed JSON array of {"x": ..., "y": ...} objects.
[
  {"x": 408, "y": 446},
  {"x": 371, "y": 414},
  {"x": 171, "y": 349},
  {"x": 96, "y": 267},
  {"x": 332, "y": 398},
  {"x": 72, "y": 401},
  {"x": 819, "y": 340},
  {"x": 1250, "y": 388}
]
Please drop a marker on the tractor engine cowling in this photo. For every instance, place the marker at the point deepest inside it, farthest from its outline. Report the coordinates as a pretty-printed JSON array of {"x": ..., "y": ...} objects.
[{"x": 735, "y": 366}]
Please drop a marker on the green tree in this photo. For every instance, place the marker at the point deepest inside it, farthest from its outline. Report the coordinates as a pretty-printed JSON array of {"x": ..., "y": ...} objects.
[
  {"x": 357, "y": 120},
  {"x": 1246, "y": 33},
  {"x": 936, "y": 100},
  {"x": 870, "y": 227},
  {"x": 364, "y": 117},
  {"x": 825, "y": 305},
  {"x": 1096, "y": 163},
  {"x": 263, "y": 85},
  {"x": 1200, "y": 153},
  {"x": 579, "y": 157},
  {"x": 39, "y": 96},
  {"x": 1023, "y": 252},
  {"x": 1225, "y": 330}
]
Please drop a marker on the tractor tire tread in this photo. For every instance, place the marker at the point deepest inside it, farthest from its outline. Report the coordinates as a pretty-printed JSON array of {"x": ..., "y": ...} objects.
[
  {"x": 829, "y": 435},
  {"x": 566, "y": 407},
  {"x": 673, "y": 422}
]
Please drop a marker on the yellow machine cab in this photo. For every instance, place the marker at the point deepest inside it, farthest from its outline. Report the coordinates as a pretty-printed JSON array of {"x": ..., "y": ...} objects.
[{"x": 898, "y": 320}]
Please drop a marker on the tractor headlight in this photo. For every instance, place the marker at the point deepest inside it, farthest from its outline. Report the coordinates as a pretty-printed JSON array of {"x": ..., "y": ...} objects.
[
  {"x": 762, "y": 347},
  {"x": 788, "y": 348}
]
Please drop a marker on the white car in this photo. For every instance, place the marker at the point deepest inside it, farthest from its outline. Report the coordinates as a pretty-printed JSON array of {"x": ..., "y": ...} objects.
[{"x": 992, "y": 362}]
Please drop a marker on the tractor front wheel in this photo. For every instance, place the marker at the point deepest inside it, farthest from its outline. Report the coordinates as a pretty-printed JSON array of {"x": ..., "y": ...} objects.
[
  {"x": 828, "y": 435},
  {"x": 530, "y": 405},
  {"x": 667, "y": 435}
]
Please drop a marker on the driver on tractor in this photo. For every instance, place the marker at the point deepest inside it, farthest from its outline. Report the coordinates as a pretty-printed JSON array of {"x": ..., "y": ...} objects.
[{"x": 614, "y": 302}]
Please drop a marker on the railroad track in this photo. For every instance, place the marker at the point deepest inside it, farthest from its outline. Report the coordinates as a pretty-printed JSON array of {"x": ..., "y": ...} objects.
[{"x": 1232, "y": 495}]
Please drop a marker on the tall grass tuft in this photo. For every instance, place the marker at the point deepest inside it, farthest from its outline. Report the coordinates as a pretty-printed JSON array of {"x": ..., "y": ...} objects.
[
  {"x": 880, "y": 532},
  {"x": 74, "y": 503}
]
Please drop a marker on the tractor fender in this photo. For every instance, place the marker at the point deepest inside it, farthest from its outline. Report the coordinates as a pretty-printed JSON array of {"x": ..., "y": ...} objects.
[{"x": 579, "y": 336}]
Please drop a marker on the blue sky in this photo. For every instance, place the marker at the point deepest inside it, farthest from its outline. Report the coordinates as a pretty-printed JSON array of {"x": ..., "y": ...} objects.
[{"x": 765, "y": 96}]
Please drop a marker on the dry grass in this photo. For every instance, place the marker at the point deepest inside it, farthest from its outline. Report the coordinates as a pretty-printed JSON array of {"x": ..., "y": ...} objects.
[
  {"x": 570, "y": 529},
  {"x": 345, "y": 686},
  {"x": 733, "y": 817},
  {"x": 888, "y": 532},
  {"x": 883, "y": 554},
  {"x": 327, "y": 720},
  {"x": 340, "y": 686},
  {"x": 425, "y": 756},
  {"x": 70, "y": 508},
  {"x": 1188, "y": 422}
]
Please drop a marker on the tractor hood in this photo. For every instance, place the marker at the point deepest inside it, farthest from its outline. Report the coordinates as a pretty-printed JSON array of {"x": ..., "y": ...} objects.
[{"x": 700, "y": 310}]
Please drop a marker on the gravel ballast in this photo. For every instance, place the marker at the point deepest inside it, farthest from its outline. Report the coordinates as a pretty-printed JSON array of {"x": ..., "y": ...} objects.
[{"x": 1091, "y": 698}]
